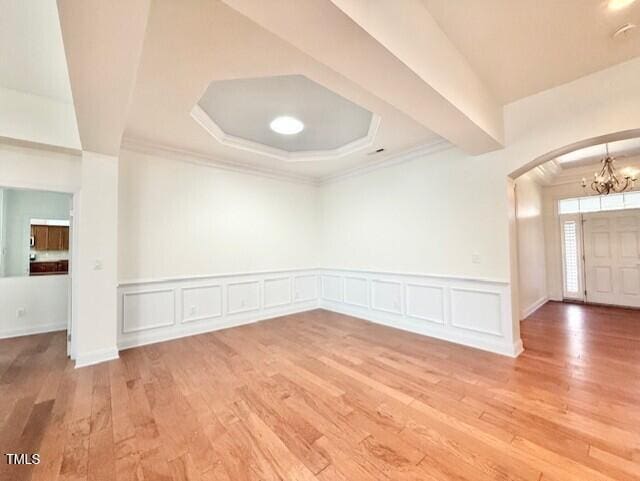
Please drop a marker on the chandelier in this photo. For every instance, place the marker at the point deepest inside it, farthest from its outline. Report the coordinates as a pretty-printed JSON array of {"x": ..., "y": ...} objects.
[{"x": 607, "y": 181}]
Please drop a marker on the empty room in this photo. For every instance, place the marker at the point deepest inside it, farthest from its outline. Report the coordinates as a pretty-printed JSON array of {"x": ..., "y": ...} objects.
[{"x": 320, "y": 240}]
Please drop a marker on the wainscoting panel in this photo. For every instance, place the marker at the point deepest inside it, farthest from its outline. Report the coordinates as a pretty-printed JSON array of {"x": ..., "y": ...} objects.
[
  {"x": 476, "y": 311},
  {"x": 306, "y": 288},
  {"x": 425, "y": 302},
  {"x": 148, "y": 310},
  {"x": 473, "y": 312},
  {"x": 356, "y": 291},
  {"x": 201, "y": 302},
  {"x": 386, "y": 296},
  {"x": 277, "y": 291},
  {"x": 333, "y": 288},
  {"x": 243, "y": 297}
]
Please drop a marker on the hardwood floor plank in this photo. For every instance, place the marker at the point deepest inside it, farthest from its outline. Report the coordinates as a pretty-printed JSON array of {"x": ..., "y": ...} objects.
[{"x": 322, "y": 396}]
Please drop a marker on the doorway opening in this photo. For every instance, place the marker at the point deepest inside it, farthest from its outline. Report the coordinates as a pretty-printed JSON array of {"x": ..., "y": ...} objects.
[
  {"x": 35, "y": 263},
  {"x": 574, "y": 243}
]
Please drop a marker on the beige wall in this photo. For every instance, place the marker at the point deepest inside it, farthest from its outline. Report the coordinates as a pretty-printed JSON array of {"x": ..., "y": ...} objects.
[
  {"x": 435, "y": 214},
  {"x": 181, "y": 219},
  {"x": 531, "y": 244}
]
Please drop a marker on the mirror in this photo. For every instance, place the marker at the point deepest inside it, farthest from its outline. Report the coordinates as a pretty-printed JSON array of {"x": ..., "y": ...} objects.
[{"x": 34, "y": 232}]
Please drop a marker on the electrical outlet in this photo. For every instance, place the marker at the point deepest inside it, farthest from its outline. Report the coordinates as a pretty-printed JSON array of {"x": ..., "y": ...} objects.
[
  {"x": 242, "y": 303},
  {"x": 21, "y": 311},
  {"x": 475, "y": 258},
  {"x": 192, "y": 311}
]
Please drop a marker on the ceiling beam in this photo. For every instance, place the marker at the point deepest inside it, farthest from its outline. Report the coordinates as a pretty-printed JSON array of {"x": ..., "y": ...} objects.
[
  {"x": 396, "y": 51},
  {"x": 103, "y": 41}
]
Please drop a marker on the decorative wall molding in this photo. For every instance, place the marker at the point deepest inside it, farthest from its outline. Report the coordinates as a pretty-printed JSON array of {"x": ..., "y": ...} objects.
[
  {"x": 173, "y": 153},
  {"x": 213, "y": 129},
  {"x": 209, "y": 303},
  {"x": 472, "y": 312},
  {"x": 277, "y": 291},
  {"x": 431, "y": 148},
  {"x": 215, "y": 162},
  {"x": 332, "y": 288},
  {"x": 148, "y": 309},
  {"x": 201, "y": 302}
]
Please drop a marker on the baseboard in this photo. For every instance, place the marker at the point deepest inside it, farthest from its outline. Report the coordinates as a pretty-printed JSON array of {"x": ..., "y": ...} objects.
[
  {"x": 96, "y": 357},
  {"x": 471, "y": 312},
  {"x": 526, "y": 312},
  {"x": 518, "y": 348},
  {"x": 29, "y": 331},
  {"x": 496, "y": 347},
  {"x": 145, "y": 339}
]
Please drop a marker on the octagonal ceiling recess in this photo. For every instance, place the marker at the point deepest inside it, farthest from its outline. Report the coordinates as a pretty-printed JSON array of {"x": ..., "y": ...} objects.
[{"x": 237, "y": 113}]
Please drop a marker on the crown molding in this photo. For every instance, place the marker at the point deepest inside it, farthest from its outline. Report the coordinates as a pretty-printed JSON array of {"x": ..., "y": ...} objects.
[
  {"x": 213, "y": 129},
  {"x": 152, "y": 148},
  {"x": 391, "y": 160},
  {"x": 183, "y": 155}
]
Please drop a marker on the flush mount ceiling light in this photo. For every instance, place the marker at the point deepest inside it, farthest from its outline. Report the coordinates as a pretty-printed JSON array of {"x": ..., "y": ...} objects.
[
  {"x": 286, "y": 125},
  {"x": 619, "y": 4}
]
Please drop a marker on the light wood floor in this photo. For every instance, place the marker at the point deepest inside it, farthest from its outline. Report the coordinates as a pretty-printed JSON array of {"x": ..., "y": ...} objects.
[{"x": 319, "y": 396}]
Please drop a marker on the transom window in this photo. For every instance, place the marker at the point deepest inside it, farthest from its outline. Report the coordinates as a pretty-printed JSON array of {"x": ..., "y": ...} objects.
[{"x": 597, "y": 203}]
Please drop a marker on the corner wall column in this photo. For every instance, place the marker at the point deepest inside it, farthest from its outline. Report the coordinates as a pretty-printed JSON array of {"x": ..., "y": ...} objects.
[{"x": 96, "y": 272}]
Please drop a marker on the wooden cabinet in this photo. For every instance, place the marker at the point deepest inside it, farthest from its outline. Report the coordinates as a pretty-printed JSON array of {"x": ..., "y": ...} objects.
[
  {"x": 49, "y": 268},
  {"x": 40, "y": 234},
  {"x": 50, "y": 237}
]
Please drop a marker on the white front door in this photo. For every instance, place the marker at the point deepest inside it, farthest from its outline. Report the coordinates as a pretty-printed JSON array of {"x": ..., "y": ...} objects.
[{"x": 612, "y": 257}]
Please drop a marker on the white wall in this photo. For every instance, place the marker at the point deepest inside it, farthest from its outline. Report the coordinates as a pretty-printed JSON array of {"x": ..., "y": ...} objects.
[
  {"x": 182, "y": 219},
  {"x": 30, "y": 305},
  {"x": 96, "y": 261},
  {"x": 531, "y": 245},
  {"x": 20, "y": 207},
  {"x": 23, "y": 167},
  {"x": 3, "y": 229},
  {"x": 439, "y": 214},
  {"x": 33, "y": 118}
]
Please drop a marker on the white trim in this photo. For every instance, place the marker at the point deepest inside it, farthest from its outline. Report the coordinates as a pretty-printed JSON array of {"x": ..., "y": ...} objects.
[
  {"x": 431, "y": 148},
  {"x": 526, "y": 312},
  {"x": 142, "y": 293},
  {"x": 244, "y": 309},
  {"x": 213, "y": 129},
  {"x": 397, "y": 311},
  {"x": 484, "y": 337},
  {"x": 452, "y": 307},
  {"x": 278, "y": 304},
  {"x": 96, "y": 357},
  {"x": 317, "y": 288},
  {"x": 494, "y": 330},
  {"x": 424, "y": 318},
  {"x": 417, "y": 274},
  {"x": 29, "y": 331},
  {"x": 213, "y": 161},
  {"x": 185, "y": 319},
  {"x": 229, "y": 318},
  {"x": 159, "y": 280}
]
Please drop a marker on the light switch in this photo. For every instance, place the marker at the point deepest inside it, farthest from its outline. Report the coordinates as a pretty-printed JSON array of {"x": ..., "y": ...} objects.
[{"x": 97, "y": 265}]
